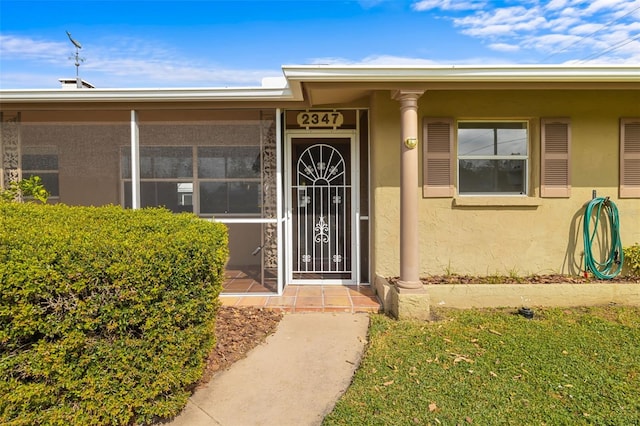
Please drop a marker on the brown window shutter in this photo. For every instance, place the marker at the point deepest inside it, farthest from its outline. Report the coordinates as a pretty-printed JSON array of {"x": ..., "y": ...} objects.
[
  {"x": 630, "y": 158},
  {"x": 555, "y": 166},
  {"x": 437, "y": 151}
]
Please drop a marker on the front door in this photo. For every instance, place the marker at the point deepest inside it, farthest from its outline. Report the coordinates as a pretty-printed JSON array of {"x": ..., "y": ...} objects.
[{"x": 321, "y": 197}]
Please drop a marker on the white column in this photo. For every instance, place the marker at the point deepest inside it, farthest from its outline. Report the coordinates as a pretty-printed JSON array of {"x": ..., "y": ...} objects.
[
  {"x": 279, "y": 200},
  {"x": 135, "y": 161}
]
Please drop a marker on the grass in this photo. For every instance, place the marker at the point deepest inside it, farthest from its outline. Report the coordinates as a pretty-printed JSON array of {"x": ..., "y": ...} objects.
[{"x": 574, "y": 366}]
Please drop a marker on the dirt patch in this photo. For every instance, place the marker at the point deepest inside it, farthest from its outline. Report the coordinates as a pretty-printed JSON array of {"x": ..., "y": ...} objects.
[{"x": 238, "y": 330}]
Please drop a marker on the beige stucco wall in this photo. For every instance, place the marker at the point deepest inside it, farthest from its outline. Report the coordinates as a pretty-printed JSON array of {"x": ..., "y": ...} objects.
[{"x": 485, "y": 240}]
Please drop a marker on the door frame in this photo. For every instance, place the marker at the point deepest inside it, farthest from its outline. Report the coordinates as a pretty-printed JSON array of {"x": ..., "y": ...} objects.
[{"x": 352, "y": 135}]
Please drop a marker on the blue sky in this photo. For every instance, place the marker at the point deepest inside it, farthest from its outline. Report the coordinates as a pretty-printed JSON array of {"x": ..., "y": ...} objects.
[{"x": 217, "y": 43}]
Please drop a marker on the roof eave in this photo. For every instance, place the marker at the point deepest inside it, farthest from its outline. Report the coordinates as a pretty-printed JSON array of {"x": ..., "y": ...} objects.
[
  {"x": 153, "y": 95},
  {"x": 461, "y": 73}
]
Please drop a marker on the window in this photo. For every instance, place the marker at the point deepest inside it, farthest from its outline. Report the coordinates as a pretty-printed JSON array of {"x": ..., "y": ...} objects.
[
  {"x": 166, "y": 177},
  {"x": 227, "y": 179},
  {"x": 42, "y": 161},
  {"x": 492, "y": 158}
]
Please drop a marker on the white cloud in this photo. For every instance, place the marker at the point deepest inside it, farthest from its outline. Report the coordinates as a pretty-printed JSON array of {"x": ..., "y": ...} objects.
[
  {"x": 503, "y": 21},
  {"x": 424, "y": 5},
  {"x": 550, "y": 42},
  {"x": 14, "y": 47},
  {"x": 563, "y": 23},
  {"x": 504, "y": 47},
  {"x": 557, "y": 4},
  {"x": 586, "y": 28},
  {"x": 116, "y": 63},
  {"x": 567, "y": 28},
  {"x": 606, "y": 5},
  {"x": 373, "y": 60}
]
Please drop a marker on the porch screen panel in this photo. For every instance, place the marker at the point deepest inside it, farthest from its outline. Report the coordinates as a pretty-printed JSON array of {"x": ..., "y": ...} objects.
[{"x": 221, "y": 165}]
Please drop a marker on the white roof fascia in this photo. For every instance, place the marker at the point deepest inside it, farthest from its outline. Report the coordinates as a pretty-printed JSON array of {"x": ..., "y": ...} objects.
[
  {"x": 463, "y": 73},
  {"x": 153, "y": 95},
  {"x": 296, "y": 75}
]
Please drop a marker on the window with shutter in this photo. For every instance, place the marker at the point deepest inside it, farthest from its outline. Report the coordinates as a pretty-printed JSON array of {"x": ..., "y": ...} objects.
[
  {"x": 493, "y": 158},
  {"x": 437, "y": 175},
  {"x": 630, "y": 158},
  {"x": 555, "y": 167}
]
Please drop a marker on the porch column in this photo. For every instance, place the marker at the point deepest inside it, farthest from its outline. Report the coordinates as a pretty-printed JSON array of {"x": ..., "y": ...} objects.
[
  {"x": 409, "y": 258},
  {"x": 135, "y": 161}
]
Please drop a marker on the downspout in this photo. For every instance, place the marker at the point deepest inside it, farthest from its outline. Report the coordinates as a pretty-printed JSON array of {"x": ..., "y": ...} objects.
[{"x": 409, "y": 236}]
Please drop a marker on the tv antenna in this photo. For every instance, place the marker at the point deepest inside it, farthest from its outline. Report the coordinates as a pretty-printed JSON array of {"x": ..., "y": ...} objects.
[{"x": 77, "y": 57}]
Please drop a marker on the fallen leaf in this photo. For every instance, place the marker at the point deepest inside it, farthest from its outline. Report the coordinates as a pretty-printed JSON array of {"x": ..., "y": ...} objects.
[
  {"x": 468, "y": 420},
  {"x": 458, "y": 358},
  {"x": 432, "y": 407},
  {"x": 493, "y": 374}
]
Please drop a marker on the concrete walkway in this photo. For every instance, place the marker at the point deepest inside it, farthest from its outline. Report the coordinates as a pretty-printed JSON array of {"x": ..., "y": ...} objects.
[{"x": 294, "y": 378}]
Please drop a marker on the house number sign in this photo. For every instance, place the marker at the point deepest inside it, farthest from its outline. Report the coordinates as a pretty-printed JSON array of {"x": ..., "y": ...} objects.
[{"x": 311, "y": 119}]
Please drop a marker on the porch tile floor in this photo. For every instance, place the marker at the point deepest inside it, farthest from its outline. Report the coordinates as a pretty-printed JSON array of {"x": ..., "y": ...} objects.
[{"x": 296, "y": 298}]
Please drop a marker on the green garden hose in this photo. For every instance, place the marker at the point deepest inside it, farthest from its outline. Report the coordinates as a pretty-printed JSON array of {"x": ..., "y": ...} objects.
[{"x": 612, "y": 265}]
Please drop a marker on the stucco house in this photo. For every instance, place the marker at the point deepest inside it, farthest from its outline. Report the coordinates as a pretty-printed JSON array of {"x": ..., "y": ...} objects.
[{"x": 341, "y": 175}]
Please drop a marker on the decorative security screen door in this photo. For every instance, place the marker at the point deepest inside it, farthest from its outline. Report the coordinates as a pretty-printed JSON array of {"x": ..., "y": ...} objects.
[{"x": 321, "y": 200}]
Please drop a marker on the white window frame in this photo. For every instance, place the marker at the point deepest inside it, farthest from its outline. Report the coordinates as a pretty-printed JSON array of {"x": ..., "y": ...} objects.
[{"x": 526, "y": 158}]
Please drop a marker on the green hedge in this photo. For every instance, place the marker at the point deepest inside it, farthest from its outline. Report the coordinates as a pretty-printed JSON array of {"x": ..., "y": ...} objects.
[{"x": 106, "y": 315}]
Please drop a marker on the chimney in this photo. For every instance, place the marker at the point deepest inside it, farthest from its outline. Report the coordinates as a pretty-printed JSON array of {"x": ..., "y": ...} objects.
[{"x": 75, "y": 83}]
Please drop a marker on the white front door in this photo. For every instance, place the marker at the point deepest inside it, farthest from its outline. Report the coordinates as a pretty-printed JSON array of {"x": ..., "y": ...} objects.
[{"x": 321, "y": 200}]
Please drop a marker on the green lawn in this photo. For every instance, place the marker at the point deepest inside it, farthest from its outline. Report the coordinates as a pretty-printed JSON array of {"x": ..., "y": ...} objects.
[{"x": 486, "y": 367}]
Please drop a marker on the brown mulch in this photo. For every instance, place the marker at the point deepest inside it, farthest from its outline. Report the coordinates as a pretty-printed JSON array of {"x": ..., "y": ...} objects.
[
  {"x": 238, "y": 330},
  {"x": 531, "y": 279}
]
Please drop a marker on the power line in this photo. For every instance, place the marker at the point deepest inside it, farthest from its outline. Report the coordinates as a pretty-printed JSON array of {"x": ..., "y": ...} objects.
[
  {"x": 612, "y": 48},
  {"x": 590, "y": 34}
]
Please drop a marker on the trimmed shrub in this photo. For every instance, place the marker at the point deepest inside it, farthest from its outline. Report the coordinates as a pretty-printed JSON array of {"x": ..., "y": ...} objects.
[
  {"x": 632, "y": 259},
  {"x": 106, "y": 315}
]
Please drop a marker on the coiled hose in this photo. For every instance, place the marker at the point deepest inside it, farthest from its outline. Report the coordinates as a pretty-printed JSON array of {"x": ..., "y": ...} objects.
[{"x": 612, "y": 265}]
